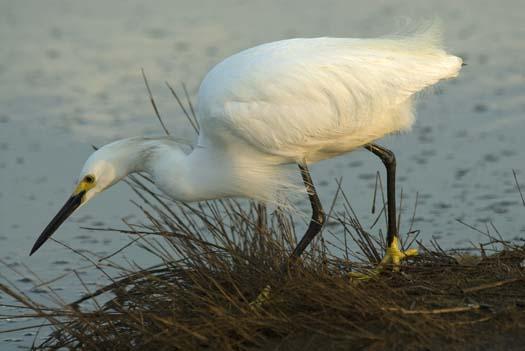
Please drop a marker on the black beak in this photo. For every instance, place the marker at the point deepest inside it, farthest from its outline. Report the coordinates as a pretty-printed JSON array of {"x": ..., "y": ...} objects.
[{"x": 69, "y": 207}]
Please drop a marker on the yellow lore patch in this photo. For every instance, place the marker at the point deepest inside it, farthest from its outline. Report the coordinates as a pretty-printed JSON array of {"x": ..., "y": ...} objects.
[{"x": 87, "y": 183}]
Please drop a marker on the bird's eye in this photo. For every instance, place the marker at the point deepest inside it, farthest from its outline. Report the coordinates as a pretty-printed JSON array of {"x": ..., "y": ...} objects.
[{"x": 89, "y": 179}]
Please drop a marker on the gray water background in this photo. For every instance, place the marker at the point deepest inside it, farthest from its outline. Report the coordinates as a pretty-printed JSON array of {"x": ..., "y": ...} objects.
[{"x": 70, "y": 78}]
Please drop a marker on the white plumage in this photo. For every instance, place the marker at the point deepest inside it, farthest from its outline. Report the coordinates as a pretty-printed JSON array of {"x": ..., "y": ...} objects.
[
  {"x": 315, "y": 98},
  {"x": 291, "y": 101}
]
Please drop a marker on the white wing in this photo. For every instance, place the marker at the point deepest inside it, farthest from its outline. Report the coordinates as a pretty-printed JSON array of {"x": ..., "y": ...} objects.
[{"x": 313, "y": 97}]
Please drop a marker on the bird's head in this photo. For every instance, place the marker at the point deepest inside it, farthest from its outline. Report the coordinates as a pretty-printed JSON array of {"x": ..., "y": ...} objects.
[{"x": 105, "y": 167}]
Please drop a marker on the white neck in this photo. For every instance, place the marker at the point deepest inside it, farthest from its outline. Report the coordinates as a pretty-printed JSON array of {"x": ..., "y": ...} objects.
[
  {"x": 199, "y": 175},
  {"x": 207, "y": 173}
]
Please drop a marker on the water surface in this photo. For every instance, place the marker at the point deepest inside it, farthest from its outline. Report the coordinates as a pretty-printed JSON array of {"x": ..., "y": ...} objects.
[{"x": 70, "y": 78}]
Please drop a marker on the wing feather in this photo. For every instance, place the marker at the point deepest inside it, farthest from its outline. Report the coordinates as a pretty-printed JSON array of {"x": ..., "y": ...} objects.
[{"x": 300, "y": 96}]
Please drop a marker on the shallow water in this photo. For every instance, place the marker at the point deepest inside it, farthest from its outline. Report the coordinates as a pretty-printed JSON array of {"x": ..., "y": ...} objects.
[{"x": 70, "y": 77}]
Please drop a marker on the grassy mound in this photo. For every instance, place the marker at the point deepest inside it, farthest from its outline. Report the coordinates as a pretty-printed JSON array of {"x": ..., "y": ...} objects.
[{"x": 200, "y": 296}]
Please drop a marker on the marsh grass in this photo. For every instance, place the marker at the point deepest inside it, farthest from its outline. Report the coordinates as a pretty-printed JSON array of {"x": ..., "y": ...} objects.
[{"x": 216, "y": 257}]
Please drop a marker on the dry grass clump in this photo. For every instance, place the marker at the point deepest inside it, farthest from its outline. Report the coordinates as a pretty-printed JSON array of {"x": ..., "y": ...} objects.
[{"x": 218, "y": 256}]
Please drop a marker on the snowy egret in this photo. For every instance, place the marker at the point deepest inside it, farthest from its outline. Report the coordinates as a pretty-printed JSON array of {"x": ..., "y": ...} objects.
[{"x": 295, "y": 101}]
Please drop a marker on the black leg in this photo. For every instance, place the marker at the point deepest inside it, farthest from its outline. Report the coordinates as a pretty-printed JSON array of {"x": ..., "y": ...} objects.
[
  {"x": 316, "y": 223},
  {"x": 318, "y": 216},
  {"x": 389, "y": 161}
]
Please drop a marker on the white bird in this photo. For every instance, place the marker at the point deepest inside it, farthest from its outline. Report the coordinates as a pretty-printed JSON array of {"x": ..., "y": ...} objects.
[{"x": 294, "y": 101}]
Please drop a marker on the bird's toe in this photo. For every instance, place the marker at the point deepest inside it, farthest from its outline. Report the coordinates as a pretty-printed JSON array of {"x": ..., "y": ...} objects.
[
  {"x": 393, "y": 257},
  {"x": 262, "y": 298}
]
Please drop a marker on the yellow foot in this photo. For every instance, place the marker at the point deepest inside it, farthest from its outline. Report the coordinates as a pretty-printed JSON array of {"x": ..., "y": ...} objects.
[
  {"x": 262, "y": 298},
  {"x": 392, "y": 257}
]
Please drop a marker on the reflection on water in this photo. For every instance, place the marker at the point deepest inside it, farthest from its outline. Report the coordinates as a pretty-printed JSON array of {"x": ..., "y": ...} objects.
[{"x": 70, "y": 74}]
